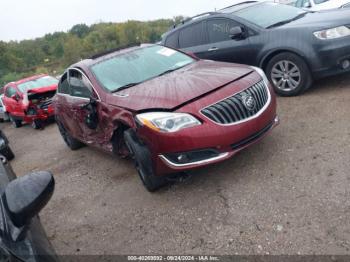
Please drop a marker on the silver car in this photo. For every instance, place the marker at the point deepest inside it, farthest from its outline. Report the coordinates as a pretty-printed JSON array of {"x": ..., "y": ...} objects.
[{"x": 3, "y": 113}]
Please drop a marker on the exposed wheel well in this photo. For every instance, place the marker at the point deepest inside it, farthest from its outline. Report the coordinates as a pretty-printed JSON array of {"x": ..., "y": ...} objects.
[{"x": 118, "y": 137}]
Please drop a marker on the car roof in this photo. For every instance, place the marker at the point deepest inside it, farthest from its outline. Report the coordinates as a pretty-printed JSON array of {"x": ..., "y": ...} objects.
[
  {"x": 105, "y": 55},
  {"x": 225, "y": 11},
  {"x": 237, "y": 7},
  {"x": 21, "y": 81}
]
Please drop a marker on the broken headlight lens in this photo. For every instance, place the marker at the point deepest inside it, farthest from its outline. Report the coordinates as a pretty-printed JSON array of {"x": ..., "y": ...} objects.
[{"x": 167, "y": 122}]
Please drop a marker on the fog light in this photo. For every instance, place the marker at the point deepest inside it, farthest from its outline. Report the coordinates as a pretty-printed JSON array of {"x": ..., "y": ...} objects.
[
  {"x": 182, "y": 158},
  {"x": 345, "y": 64},
  {"x": 192, "y": 156}
]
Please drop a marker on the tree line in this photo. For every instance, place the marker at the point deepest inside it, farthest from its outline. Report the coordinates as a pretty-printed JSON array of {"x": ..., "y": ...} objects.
[{"x": 54, "y": 52}]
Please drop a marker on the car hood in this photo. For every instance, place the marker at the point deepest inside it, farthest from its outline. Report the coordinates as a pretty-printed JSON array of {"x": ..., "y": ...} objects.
[
  {"x": 179, "y": 87},
  {"x": 323, "y": 19},
  {"x": 44, "y": 89}
]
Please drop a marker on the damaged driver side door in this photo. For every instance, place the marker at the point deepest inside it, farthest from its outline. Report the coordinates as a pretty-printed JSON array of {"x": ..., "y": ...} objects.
[{"x": 84, "y": 107}]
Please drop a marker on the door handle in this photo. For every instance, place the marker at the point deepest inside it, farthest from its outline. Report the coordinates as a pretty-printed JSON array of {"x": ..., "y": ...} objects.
[{"x": 213, "y": 49}]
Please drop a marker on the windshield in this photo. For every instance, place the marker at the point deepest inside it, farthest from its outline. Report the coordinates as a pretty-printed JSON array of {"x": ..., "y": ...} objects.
[
  {"x": 138, "y": 66},
  {"x": 267, "y": 14},
  {"x": 36, "y": 83}
]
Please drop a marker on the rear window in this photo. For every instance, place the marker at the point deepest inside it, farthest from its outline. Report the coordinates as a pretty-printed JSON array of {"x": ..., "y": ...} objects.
[
  {"x": 192, "y": 35},
  {"x": 173, "y": 40},
  {"x": 36, "y": 83}
]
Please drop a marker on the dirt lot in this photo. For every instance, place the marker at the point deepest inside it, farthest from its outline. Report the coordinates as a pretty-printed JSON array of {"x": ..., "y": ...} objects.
[{"x": 288, "y": 194}]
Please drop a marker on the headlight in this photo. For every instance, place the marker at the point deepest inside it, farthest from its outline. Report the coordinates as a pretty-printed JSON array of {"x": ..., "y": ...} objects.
[
  {"x": 262, "y": 74},
  {"x": 167, "y": 122},
  {"x": 333, "y": 33}
]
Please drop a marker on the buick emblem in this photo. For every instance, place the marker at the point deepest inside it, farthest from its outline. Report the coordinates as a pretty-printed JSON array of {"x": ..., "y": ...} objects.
[{"x": 249, "y": 101}]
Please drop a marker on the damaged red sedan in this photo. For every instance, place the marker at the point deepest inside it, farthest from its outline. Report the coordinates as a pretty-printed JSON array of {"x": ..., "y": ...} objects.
[
  {"x": 30, "y": 100},
  {"x": 169, "y": 111}
]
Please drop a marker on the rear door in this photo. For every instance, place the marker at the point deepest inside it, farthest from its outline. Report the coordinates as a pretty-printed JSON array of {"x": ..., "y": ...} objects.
[
  {"x": 192, "y": 38},
  {"x": 221, "y": 47}
]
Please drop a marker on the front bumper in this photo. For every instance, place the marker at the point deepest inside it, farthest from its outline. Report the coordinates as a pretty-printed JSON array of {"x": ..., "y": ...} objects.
[
  {"x": 221, "y": 156},
  {"x": 42, "y": 114},
  {"x": 330, "y": 57},
  {"x": 209, "y": 142}
]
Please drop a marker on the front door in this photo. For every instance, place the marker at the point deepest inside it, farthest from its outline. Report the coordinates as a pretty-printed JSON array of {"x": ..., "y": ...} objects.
[
  {"x": 13, "y": 106},
  {"x": 222, "y": 47},
  {"x": 85, "y": 107}
]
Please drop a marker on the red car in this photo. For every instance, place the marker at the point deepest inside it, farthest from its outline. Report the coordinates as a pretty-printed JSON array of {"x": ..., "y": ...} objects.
[
  {"x": 30, "y": 100},
  {"x": 168, "y": 110}
]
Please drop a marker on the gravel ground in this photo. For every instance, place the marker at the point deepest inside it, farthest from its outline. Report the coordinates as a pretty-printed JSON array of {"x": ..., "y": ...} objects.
[{"x": 288, "y": 194}]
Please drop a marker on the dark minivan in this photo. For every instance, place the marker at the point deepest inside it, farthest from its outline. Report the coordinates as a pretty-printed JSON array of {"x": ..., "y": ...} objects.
[{"x": 293, "y": 46}]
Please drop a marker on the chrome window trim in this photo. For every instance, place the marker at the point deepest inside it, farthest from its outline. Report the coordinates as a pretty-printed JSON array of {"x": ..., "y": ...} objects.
[
  {"x": 92, "y": 86},
  {"x": 244, "y": 120},
  {"x": 205, "y": 161}
]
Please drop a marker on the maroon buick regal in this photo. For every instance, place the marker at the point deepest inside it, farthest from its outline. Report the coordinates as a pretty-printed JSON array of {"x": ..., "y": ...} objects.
[{"x": 168, "y": 110}]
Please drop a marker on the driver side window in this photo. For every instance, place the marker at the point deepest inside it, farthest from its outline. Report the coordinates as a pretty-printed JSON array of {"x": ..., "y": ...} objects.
[
  {"x": 79, "y": 85},
  {"x": 219, "y": 29},
  {"x": 10, "y": 91},
  {"x": 63, "y": 86}
]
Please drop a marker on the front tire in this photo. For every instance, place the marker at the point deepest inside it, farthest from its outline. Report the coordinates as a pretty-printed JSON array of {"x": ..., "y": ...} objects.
[
  {"x": 143, "y": 162},
  {"x": 37, "y": 124},
  {"x": 8, "y": 153},
  {"x": 71, "y": 142},
  {"x": 15, "y": 122},
  {"x": 289, "y": 74}
]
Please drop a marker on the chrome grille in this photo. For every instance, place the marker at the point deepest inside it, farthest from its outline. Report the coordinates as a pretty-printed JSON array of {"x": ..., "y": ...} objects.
[{"x": 240, "y": 106}]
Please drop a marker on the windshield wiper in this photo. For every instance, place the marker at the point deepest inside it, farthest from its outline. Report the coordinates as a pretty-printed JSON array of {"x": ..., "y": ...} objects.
[
  {"x": 126, "y": 86},
  {"x": 168, "y": 71},
  {"x": 137, "y": 83},
  {"x": 287, "y": 21}
]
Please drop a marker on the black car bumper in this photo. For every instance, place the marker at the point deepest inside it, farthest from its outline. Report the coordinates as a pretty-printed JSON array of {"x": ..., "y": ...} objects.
[{"x": 332, "y": 58}]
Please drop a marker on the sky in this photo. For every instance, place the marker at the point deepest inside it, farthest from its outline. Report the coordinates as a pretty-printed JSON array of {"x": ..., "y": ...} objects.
[{"x": 28, "y": 19}]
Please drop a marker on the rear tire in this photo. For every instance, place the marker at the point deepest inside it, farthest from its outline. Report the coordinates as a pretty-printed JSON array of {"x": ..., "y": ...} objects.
[
  {"x": 289, "y": 74},
  {"x": 143, "y": 162},
  {"x": 15, "y": 122},
  {"x": 7, "y": 152},
  {"x": 71, "y": 142}
]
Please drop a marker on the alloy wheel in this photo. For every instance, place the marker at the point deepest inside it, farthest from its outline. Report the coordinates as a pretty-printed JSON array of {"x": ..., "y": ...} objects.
[{"x": 286, "y": 75}]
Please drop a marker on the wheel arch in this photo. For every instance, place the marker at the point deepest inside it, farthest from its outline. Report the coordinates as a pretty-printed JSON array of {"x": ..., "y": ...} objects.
[
  {"x": 265, "y": 60},
  {"x": 117, "y": 136}
]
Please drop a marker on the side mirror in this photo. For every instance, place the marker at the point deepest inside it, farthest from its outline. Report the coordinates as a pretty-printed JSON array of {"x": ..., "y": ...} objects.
[
  {"x": 24, "y": 197},
  {"x": 92, "y": 102},
  {"x": 91, "y": 118},
  {"x": 236, "y": 32}
]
